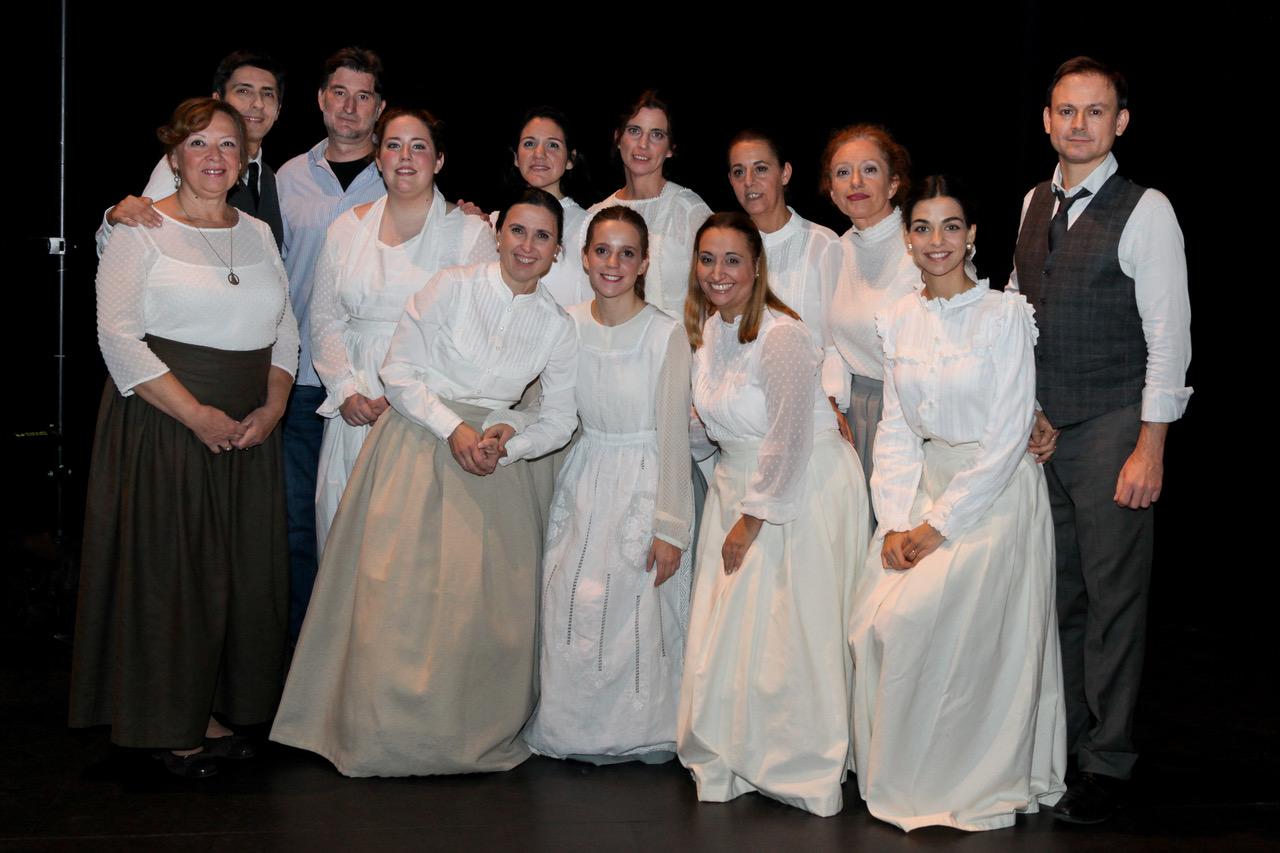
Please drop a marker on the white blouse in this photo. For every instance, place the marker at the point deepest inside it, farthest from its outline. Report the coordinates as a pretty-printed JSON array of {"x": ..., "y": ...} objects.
[
  {"x": 361, "y": 279},
  {"x": 877, "y": 270},
  {"x": 804, "y": 261},
  {"x": 466, "y": 337},
  {"x": 959, "y": 371},
  {"x": 674, "y": 217},
  {"x": 171, "y": 282},
  {"x": 765, "y": 391}
]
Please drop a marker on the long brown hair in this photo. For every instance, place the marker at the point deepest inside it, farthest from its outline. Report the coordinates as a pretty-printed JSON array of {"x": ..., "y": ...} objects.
[{"x": 696, "y": 307}]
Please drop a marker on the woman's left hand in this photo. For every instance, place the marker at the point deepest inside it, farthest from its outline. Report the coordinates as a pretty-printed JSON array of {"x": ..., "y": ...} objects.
[
  {"x": 258, "y": 424},
  {"x": 665, "y": 558},
  {"x": 493, "y": 444},
  {"x": 739, "y": 540}
]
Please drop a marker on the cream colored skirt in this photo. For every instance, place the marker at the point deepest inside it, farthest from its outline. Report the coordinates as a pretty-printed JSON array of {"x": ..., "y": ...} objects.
[{"x": 418, "y": 651}]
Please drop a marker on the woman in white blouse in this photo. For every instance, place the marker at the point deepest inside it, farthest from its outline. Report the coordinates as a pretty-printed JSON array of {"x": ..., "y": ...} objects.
[
  {"x": 958, "y": 709},
  {"x": 866, "y": 172},
  {"x": 804, "y": 257},
  {"x": 615, "y": 600},
  {"x": 645, "y": 141},
  {"x": 417, "y": 655},
  {"x": 764, "y": 705},
  {"x": 375, "y": 257},
  {"x": 184, "y": 577}
]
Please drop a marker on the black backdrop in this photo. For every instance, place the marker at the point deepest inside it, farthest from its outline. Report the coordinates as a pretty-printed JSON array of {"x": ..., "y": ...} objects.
[{"x": 963, "y": 90}]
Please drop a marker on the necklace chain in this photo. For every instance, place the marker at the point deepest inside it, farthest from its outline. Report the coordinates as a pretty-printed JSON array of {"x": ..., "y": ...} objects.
[{"x": 232, "y": 278}]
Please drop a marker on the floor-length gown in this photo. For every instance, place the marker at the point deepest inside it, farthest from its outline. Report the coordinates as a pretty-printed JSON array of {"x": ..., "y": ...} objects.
[
  {"x": 764, "y": 705},
  {"x": 612, "y": 643},
  {"x": 418, "y": 652},
  {"x": 958, "y": 706},
  {"x": 183, "y": 599}
]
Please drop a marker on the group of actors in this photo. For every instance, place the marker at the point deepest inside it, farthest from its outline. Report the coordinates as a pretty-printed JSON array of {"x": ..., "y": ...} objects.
[{"x": 634, "y": 482}]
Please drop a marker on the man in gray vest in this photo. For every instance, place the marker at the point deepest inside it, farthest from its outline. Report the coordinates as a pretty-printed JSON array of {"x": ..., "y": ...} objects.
[{"x": 1102, "y": 261}]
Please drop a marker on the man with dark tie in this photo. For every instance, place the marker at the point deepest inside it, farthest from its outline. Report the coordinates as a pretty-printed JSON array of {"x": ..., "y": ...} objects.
[
  {"x": 1101, "y": 259},
  {"x": 251, "y": 83}
]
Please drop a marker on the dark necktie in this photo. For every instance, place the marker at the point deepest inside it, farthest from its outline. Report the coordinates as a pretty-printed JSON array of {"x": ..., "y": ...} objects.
[
  {"x": 257, "y": 197},
  {"x": 1058, "y": 225}
]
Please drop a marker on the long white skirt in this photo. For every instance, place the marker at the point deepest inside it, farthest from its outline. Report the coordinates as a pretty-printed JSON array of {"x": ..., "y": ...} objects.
[
  {"x": 958, "y": 709},
  {"x": 764, "y": 705},
  {"x": 367, "y": 342},
  {"x": 612, "y": 644}
]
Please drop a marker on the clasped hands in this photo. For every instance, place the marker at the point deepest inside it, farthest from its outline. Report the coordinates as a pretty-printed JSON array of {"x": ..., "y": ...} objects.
[
  {"x": 904, "y": 550},
  {"x": 476, "y": 453},
  {"x": 219, "y": 432}
]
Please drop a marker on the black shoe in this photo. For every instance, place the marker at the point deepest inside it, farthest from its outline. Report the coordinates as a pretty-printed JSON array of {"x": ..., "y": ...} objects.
[
  {"x": 234, "y": 747},
  {"x": 1093, "y": 798},
  {"x": 197, "y": 765}
]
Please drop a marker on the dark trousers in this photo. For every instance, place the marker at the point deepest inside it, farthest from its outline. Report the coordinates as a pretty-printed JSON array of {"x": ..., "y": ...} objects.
[
  {"x": 303, "y": 432},
  {"x": 1104, "y": 573}
]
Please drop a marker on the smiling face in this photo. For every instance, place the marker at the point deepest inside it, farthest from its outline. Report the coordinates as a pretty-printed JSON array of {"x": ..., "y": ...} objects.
[
  {"x": 614, "y": 258},
  {"x": 542, "y": 155},
  {"x": 407, "y": 157},
  {"x": 527, "y": 245},
  {"x": 726, "y": 271},
  {"x": 255, "y": 94},
  {"x": 938, "y": 235},
  {"x": 861, "y": 185},
  {"x": 645, "y": 142},
  {"x": 209, "y": 160},
  {"x": 1084, "y": 119},
  {"x": 757, "y": 178},
  {"x": 350, "y": 105}
]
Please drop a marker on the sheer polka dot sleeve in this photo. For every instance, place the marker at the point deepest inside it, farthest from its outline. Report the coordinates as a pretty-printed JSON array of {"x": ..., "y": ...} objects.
[
  {"x": 789, "y": 376},
  {"x": 121, "y": 288},
  {"x": 673, "y": 505}
]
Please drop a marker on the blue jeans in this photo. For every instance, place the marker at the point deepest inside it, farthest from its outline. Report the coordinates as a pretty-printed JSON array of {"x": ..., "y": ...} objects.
[{"x": 303, "y": 432}]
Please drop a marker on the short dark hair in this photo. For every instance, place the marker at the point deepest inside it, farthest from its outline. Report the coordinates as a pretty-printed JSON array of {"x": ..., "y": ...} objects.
[
  {"x": 755, "y": 134},
  {"x": 238, "y": 59},
  {"x": 942, "y": 186},
  {"x": 573, "y": 179},
  {"x": 537, "y": 198},
  {"x": 1089, "y": 65},
  {"x": 622, "y": 213},
  {"x": 435, "y": 126},
  {"x": 356, "y": 59},
  {"x": 194, "y": 115}
]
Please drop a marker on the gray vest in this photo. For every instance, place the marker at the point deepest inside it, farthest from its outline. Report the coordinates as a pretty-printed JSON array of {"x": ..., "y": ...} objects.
[{"x": 1091, "y": 358}]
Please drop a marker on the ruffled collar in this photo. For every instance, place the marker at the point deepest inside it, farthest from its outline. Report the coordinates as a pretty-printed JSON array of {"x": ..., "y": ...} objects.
[
  {"x": 888, "y": 227},
  {"x": 967, "y": 297}
]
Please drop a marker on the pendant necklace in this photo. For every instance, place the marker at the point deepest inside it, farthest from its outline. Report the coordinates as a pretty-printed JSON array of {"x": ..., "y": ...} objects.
[{"x": 232, "y": 278}]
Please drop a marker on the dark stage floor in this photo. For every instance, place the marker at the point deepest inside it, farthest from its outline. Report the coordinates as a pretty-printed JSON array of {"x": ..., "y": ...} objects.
[{"x": 1207, "y": 782}]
